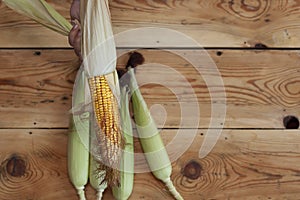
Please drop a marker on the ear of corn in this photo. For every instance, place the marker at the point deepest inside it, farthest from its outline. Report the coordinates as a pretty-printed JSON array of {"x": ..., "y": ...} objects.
[
  {"x": 96, "y": 177},
  {"x": 124, "y": 190},
  {"x": 107, "y": 126},
  {"x": 150, "y": 139},
  {"x": 99, "y": 60},
  {"x": 77, "y": 161},
  {"x": 42, "y": 12},
  {"x": 78, "y": 142}
]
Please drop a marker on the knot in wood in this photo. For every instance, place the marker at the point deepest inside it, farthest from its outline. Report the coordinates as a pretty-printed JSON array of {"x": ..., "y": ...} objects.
[
  {"x": 260, "y": 46},
  {"x": 246, "y": 9},
  {"x": 192, "y": 170},
  {"x": 291, "y": 122},
  {"x": 16, "y": 166}
]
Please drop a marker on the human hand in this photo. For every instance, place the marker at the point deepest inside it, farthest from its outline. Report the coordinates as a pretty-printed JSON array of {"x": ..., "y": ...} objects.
[{"x": 75, "y": 33}]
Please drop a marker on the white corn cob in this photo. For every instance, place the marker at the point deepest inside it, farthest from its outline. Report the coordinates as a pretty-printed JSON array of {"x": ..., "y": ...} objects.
[
  {"x": 124, "y": 190},
  {"x": 152, "y": 144}
]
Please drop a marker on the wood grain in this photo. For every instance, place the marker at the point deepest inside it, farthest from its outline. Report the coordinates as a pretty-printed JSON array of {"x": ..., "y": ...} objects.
[
  {"x": 20, "y": 31},
  {"x": 44, "y": 153},
  {"x": 38, "y": 69},
  {"x": 36, "y": 87},
  {"x": 215, "y": 23},
  {"x": 262, "y": 87},
  {"x": 250, "y": 164}
]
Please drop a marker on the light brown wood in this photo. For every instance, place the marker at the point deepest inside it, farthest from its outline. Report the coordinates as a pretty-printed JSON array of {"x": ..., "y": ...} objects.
[
  {"x": 36, "y": 87},
  {"x": 262, "y": 87},
  {"x": 212, "y": 23},
  {"x": 20, "y": 31},
  {"x": 45, "y": 170},
  {"x": 248, "y": 164}
]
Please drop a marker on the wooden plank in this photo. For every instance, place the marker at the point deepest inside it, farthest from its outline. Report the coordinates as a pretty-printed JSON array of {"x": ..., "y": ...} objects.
[
  {"x": 36, "y": 87},
  {"x": 215, "y": 24},
  {"x": 262, "y": 87},
  {"x": 33, "y": 164},
  {"x": 253, "y": 164}
]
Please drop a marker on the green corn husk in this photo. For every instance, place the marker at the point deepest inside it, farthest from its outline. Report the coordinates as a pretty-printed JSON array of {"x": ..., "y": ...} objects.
[
  {"x": 78, "y": 142},
  {"x": 99, "y": 59},
  {"x": 96, "y": 177},
  {"x": 41, "y": 12},
  {"x": 152, "y": 144},
  {"x": 77, "y": 161},
  {"x": 124, "y": 190}
]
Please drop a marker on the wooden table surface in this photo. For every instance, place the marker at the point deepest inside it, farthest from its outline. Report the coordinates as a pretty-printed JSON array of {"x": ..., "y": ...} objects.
[{"x": 251, "y": 45}]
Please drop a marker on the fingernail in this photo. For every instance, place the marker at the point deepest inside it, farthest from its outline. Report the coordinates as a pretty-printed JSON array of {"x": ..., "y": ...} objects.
[{"x": 75, "y": 26}]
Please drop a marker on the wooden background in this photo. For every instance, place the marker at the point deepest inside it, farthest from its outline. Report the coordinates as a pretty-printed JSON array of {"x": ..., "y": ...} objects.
[{"x": 254, "y": 44}]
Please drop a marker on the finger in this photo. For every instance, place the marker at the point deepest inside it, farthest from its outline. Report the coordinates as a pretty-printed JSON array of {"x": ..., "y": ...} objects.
[
  {"x": 75, "y": 10},
  {"x": 77, "y": 45},
  {"x": 73, "y": 34}
]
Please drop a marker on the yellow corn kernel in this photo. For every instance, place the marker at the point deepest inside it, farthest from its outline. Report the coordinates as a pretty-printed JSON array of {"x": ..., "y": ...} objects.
[{"x": 108, "y": 132}]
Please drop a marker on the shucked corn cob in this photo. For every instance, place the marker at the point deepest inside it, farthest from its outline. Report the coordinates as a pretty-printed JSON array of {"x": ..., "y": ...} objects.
[
  {"x": 108, "y": 132},
  {"x": 152, "y": 144},
  {"x": 124, "y": 190}
]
